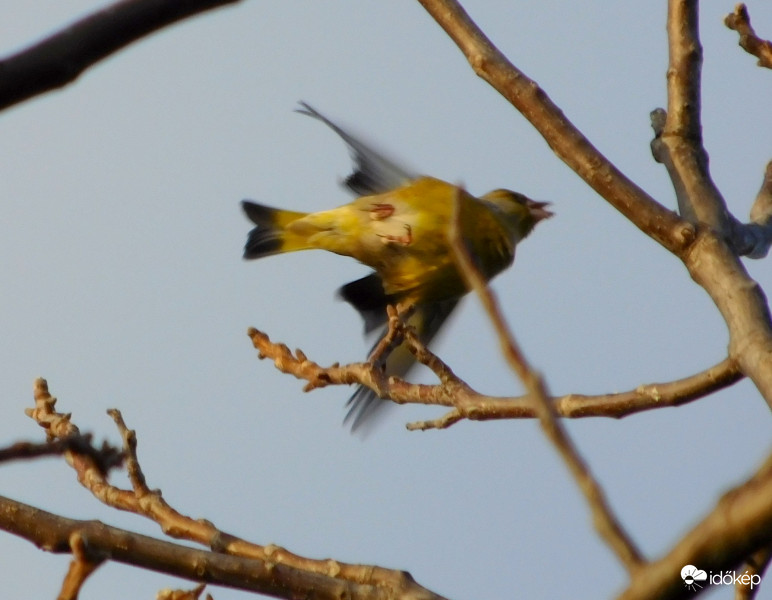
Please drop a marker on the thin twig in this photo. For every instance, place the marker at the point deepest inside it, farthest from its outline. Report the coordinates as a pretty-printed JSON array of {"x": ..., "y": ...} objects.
[
  {"x": 329, "y": 575},
  {"x": 105, "y": 458},
  {"x": 740, "y": 21},
  {"x": 85, "y": 560},
  {"x": 468, "y": 403},
  {"x": 476, "y": 407},
  {"x": 606, "y": 523}
]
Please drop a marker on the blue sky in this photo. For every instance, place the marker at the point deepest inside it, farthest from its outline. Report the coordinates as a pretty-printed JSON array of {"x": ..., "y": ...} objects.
[{"x": 123, "y": 285}]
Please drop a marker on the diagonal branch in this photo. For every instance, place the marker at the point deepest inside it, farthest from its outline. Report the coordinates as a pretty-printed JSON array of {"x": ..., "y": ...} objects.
[
  {"x": 738, "y": 526},
  {"x": 59, "y": 59},
  {"x": 570, "y": 145},
  {"x": 606, "y": 523},
  {"x": 55, "y": 534},
  {"x": 740, "y": 21}
]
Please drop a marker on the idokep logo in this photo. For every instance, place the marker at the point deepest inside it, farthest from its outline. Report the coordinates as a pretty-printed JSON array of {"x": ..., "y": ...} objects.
[
  {"x": 695, "y": 578},
  {"x": 692, "y": 577}
]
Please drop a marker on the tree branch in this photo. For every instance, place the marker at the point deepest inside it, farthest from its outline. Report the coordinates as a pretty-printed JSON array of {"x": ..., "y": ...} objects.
[
  {"x": 100, "y": 542},
  {"x": 739, "y": 525},
  {"x": 738, "y": 297},
  {"x": 606, "y": 523},
  {"x": 753, "y": 239},
  {"x": 742, "y": 303},
  {"x": 84, "y": 562},
  {"x": 740, "y": 21},
  {"x": 678, "y": 143},
  {"x": 59, "y": 59},
  {"x": 568, "y": 143},
  {"x": 684, "y": 156},
  {"x": 332, "y": 578},
  {"x": 104, "y": 458},
  {"x": 622, "y": 404},
  {"x": 469, "y": 404}
]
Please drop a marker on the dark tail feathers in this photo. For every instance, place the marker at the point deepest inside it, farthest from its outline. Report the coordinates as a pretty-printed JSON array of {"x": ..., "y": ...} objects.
[{"x": 265, "y": 239}]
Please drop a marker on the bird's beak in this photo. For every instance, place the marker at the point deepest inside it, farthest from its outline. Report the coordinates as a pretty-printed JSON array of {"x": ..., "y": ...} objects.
[{"x": 539, "y": 210}]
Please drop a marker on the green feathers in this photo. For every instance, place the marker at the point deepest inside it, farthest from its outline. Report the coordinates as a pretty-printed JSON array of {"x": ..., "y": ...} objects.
[{"x": 399, "y": 225}]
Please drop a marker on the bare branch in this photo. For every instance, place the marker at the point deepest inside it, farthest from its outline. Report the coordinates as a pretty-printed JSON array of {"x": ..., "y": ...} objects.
[
  {"x": 738, "y": 297},
  {"x": 740, "y": 21},
  {"x": 742, "y": 303},
  {"x": 470, "y": 404},
  {"x": 678, "y": 145},
  {"x": 570, "y": 145},
  {"x": 651, "y": 396},
  {"x": 739, "y": 525},
  {"x": 711, "y": 263},
  {"x": 59, "y": 59},
  {"x": 84, "y": 562},
  {"x": 328, "y": 575},
  {"x": 105, "y": 458},
  {"x": 682, "y": 151},
  {"x": 606, "y": 523},
  {"x": 55, "y": 534}
]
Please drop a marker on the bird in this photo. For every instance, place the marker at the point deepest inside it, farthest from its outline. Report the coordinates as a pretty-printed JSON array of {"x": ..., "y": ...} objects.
[{"x": 398, "y": 225}]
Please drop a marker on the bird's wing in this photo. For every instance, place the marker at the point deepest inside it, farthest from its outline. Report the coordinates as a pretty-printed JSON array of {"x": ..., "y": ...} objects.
[
  {"x": 373, "y": 173},
  {"x": 368, "y": 297}
]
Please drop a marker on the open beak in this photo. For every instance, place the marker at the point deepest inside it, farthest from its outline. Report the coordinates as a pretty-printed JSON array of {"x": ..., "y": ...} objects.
[{"x": 539, "y": 210}]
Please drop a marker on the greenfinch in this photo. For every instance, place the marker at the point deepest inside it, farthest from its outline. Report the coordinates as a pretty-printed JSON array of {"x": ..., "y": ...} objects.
[{"x": 399, "y": 226}]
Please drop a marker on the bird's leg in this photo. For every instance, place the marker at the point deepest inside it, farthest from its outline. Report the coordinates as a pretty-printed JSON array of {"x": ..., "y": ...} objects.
[{"x": 395, "y": 333}]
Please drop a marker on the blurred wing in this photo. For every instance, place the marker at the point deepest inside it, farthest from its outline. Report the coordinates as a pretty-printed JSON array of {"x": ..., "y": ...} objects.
[
  {"x": 373, "y": 173},
  {"x": 368, "y": 297},
  {"x": 427, "y": 319}
]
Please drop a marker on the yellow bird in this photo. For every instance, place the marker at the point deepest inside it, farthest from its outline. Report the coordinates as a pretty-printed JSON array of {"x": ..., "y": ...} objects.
[{"x": 399, "y": 226}]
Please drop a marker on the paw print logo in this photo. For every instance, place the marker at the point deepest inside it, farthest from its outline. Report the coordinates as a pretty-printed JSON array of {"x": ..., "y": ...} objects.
[{"x": 691, "y": 575}]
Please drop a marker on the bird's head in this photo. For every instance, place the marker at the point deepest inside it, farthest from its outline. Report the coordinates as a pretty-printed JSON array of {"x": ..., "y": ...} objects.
[{"x": 519, "y": 212}]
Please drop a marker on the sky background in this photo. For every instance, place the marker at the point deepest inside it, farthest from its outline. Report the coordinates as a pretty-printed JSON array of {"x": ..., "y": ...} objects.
[{"x": 123, "y": 285}]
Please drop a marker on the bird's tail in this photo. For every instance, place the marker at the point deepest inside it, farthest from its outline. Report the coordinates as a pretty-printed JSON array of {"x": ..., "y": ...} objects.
[{"x": 272, "y": 236}]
